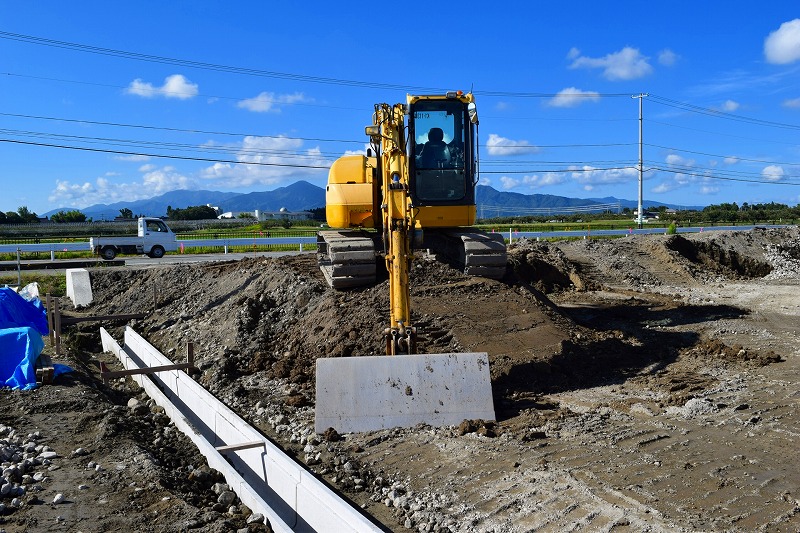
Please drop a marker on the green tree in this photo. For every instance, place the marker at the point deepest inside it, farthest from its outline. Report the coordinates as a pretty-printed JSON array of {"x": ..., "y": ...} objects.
[
  {"x": 125, "y": 213},
  {"x": 68, "y": 216},
  {"x": 197, "y": 212},
  {"x": 27, "y": 215}
]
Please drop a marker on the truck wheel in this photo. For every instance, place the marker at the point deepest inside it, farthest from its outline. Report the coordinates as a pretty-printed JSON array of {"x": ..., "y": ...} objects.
[
  {"x": 108, "y": 253},
  {"x": 157, "y": 252}
]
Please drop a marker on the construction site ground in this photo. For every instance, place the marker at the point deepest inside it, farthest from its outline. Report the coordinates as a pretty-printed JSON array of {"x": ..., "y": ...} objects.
[{"x": 645, "y": 383}]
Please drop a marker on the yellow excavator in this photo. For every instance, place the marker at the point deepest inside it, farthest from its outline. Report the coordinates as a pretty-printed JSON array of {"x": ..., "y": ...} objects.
[{"x": 413, "y": 190}]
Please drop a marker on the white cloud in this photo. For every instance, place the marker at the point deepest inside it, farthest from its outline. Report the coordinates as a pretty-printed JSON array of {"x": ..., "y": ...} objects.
[
  {"x": 627, "y": 64},
  {"x": 498, "y": 145},
  {"x": 731, "y": 160},
  {"x": 536, "y": 181},
  {"x": 667, "y": 57},
  {"x": 273, "y": 160},
  {"x": 363, "y": 151},
  {"x": 730, "y": 106},
  {"x": 590, "y": 177},
  {"x": 266, "y": 102},
  {"x": 134, "y": 158},
  {"x": 509, "y": 183},
  {"x": 154, "y": 181},
  {"x": 572, "y": 97},
  {"x": 773, "y": 173},
  {"x": 573, "y": 53},
  {"x": 709, "y": 189},
  {"x": 664, "y": 186},
  {"x": 783, "y": 45},
  {"x": 794, "y": 103},
  {"x": 681, "y": 166},
  {"x": 677, "y": 181},
  {"x": 175, "y": 86},
  {"x": 677, "y": 160}
]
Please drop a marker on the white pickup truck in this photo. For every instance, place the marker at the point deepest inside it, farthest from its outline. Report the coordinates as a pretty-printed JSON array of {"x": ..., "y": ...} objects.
[{"x": 154, "y": 239}]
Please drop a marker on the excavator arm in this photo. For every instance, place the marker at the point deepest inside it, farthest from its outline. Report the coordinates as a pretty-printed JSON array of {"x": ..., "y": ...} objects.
[{"x": 388, "y": 134}]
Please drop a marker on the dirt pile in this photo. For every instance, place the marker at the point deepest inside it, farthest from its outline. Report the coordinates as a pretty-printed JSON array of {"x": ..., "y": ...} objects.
[{"x": 641, "y": 383}]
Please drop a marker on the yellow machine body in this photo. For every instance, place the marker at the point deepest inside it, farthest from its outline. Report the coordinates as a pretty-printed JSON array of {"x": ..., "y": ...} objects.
[{"x": 420, "y": 180}]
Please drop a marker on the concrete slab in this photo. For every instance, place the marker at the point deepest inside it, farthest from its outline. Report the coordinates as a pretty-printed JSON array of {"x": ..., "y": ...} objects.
[
  {"x": 79, "y": 286},
  {"x": 357, "y": 394}
]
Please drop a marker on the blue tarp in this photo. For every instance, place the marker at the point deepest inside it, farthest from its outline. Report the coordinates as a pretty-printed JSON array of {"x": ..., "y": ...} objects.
[
  {"x": 22, "y": 324},
  {"x": 19, "y": 349},
  {"x": 17, "y": 312}
]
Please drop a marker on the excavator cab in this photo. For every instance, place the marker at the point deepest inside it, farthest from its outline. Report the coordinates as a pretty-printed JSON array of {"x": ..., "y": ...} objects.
[{"x": 443, "y": 160}]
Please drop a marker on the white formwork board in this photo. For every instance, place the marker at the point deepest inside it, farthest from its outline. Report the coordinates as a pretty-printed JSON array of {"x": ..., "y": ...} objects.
[
  {"x": 264, "y": 478},
  {"x": 368, "y": 393}
]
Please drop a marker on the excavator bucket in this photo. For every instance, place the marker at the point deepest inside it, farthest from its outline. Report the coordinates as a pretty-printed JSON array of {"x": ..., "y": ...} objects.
[{"x": 369, "y": 393}]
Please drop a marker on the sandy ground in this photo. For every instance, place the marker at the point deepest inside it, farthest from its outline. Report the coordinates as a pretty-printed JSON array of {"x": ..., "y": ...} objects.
[{"x": 641, "y": 384}]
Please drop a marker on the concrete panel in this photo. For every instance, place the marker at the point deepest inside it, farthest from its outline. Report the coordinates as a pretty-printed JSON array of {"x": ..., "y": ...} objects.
[
  {"x": 369, "y": 393},
  {"x": 79, "y": 287}
]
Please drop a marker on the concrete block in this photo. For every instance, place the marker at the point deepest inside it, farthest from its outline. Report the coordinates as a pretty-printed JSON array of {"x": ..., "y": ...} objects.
[
  {"x": 376, "y": 392},
  {"x": 79, "y": 286}
]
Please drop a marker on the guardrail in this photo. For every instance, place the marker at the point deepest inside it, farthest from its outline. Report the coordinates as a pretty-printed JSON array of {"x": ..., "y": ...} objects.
[{"x": 56, "y": 247}]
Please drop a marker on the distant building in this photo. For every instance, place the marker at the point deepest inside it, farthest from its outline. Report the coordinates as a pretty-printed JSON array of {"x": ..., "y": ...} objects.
[
  {"x": 282, "y": 214},
  {"x": 645, "y": 214}
]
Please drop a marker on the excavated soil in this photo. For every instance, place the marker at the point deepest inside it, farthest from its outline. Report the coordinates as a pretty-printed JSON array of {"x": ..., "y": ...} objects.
[{"x": 647, "y": 383}]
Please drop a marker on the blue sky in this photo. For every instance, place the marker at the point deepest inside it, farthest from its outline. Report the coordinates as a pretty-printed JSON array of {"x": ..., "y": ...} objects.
[{"x": 93, "y": 92}]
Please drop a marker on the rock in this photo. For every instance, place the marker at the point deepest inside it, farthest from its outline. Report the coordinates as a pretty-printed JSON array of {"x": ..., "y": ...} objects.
[
  {"x": 59, "y": 498},
  {"x": 255, "y": 517},
  {"x": 219, "y": 488},
  {"x": 227, "y": 497}
]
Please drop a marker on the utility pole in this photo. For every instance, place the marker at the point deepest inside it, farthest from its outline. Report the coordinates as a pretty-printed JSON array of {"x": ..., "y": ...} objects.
[{"x": 640, "y": 96}]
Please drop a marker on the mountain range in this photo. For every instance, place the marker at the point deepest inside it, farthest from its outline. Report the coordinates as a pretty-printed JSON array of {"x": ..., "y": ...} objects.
[{"x": 302, "y": 196}]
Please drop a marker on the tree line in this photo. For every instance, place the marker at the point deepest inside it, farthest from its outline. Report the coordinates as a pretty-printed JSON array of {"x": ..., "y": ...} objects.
[{"x": 732, "y": 213}]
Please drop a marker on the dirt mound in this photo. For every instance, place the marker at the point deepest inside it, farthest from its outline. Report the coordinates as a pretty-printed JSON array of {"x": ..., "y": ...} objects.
[{"x": 615, "y": 363}]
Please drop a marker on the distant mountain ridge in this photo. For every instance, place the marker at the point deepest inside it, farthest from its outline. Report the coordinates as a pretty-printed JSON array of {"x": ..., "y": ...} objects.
[
  {"x": 302, "y": 196},
  {"x": 299, "y": 196}
]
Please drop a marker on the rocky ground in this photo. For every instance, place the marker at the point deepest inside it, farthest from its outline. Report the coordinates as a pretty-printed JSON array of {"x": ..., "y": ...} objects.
[{"x": 646, "y": 383}]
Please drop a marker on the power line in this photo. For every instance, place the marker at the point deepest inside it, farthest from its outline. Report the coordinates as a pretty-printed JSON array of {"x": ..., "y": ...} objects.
[
  {"x": 682, "y": 169},
  {"x": 126, "y": 87},
  {"x": 720, "y": 114},
  {"x": 718, "y": 155},
  {"x": 205, "y": 66},
  {"x": 557, "y": 171},
  {"x": 721, "y": 134},
  {"x": 162, "y": 156},
  {"x": 30, "y": 39},
  {"x": 728, "y": 178},
  {"x": 179, "y": 130}
]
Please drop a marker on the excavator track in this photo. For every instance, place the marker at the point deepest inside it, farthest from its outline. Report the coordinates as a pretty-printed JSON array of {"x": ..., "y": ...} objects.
[
  {"x": 346, "y": 258},
  {"x": 479, "y": 253}
]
